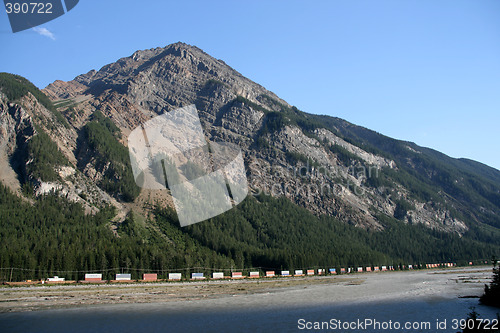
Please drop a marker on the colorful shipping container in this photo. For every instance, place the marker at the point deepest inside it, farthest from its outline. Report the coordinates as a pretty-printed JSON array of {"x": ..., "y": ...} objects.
[
  {"x": 123, "y": 277},
  {"x": 237, "y": 275},
  {"x": 93, "y": 277},
  {"x": 150, "y": 277},
  {"x": 254, "y": 274},
  {"x": 270, "y": 274},
  {"x": 197, "y": 276}
]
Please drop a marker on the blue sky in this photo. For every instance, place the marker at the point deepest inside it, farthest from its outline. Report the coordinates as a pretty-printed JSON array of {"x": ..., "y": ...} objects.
[{"x": 423, "y": 71}]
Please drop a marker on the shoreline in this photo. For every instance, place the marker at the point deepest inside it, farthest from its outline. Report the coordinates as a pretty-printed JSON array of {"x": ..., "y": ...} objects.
[{"x": 416, "y": 284}]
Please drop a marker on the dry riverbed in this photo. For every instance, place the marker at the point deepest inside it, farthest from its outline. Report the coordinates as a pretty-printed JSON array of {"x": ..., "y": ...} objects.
[{"x": 432, "y": 284}]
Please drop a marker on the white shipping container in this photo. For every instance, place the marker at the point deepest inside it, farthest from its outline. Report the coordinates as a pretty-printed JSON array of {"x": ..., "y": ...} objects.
[
  {"x": 174, "y": 276},
  {"x": 217, "y": 275},
  {"x": 285, "y": 273},
  {"x": 93, "y": 276},
  {"x": 299, "y": 272},
  {"x": 123, "y": 277},
  {"x": 254, "y": 274},
  {"x": 55, "y": 279}
]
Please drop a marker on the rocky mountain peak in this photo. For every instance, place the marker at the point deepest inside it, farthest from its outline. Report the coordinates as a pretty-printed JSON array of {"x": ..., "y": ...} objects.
[
  {"x": 324, "y": 164},
  {"x": 179, "y": 68}
]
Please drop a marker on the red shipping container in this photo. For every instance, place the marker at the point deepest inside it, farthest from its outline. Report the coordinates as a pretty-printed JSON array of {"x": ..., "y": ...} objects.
[{"x": 150, "y": 277}]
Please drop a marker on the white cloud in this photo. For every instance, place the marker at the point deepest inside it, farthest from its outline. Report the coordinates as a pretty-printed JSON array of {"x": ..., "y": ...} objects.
[{"x": 44, "y": 32}]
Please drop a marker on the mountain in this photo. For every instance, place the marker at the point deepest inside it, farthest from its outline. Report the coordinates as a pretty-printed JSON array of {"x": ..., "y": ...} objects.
[{"x": 315, "y": 179}]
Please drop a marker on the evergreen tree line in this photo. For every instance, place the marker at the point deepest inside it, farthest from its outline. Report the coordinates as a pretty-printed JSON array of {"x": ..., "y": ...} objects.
[
  {"x": 273, "y": 232},
  {"x": 55, "y": 237}
]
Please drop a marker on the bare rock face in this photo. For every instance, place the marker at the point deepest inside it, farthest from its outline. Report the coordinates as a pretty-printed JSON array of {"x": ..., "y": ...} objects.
[
  {"x": 18, "y": 125},
  {"x": 60, "y": 89},
  {"x": 15, "y": 124},
  {"x": 283, "y": 158}
]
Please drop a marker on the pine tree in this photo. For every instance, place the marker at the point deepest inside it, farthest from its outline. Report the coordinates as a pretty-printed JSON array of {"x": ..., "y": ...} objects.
[{"x": 491, "y": 295}]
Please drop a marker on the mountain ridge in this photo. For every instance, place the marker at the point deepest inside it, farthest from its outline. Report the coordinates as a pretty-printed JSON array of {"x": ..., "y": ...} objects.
[{"x": 415, "y": 183}]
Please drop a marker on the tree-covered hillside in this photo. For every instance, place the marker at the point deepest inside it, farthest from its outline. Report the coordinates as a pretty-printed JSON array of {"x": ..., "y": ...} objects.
[{"x": 55, "y": 237}]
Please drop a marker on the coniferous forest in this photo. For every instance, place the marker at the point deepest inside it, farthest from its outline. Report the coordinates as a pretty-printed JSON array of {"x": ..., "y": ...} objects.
[{"x": 54, "y": 237}]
